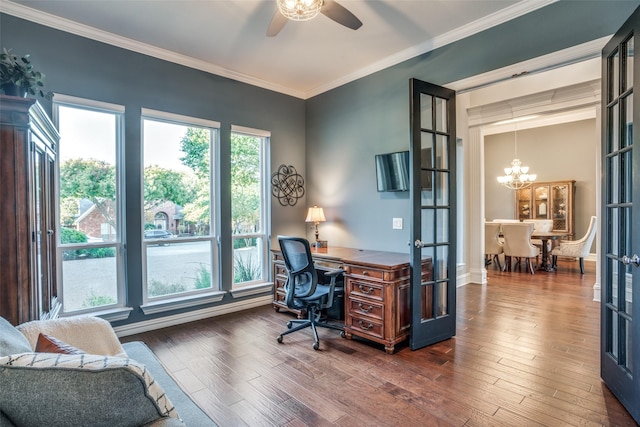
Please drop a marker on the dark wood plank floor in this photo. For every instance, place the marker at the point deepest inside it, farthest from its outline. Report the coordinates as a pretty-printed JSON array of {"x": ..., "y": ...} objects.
[{"x": 526, "y": 353}]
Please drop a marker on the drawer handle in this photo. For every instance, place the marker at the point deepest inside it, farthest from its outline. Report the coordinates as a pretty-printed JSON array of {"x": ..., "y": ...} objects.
[
  {"x": 368, "y": 291},
  {"x": 362, "y": 326},
  {"x": 365, "y": 273},
  {"x": 367, "y": 309}
]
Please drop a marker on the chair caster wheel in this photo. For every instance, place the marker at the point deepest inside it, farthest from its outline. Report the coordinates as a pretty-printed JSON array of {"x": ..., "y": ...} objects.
[
  {"x": 279, "y": 338},
  {"x": 289, "y": 325},
  {"x": 316, "y": 345},
  {"x": 343, "y": 334}
]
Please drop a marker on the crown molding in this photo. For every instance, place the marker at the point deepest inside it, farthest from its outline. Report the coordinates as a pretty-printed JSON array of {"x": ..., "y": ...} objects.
[
  {"x": 497, "y": 18},
  {"x": 82, "y": 30}
]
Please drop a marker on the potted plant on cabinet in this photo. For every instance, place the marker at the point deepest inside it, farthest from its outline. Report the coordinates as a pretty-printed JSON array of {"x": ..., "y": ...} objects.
[{"x": 18, "y": 78}]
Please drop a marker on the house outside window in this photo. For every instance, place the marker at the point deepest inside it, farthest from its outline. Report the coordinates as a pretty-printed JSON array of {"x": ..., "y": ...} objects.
[
  {"x": 90, "y": 256},
  {"x": 180, "y": 252}
]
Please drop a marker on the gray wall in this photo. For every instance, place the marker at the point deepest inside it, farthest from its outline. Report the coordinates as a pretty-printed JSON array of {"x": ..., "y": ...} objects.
[
  {"x": 84, "y": 68},
  {"x": 347, "y": 126},
  {"x": 561, "y": 152}
]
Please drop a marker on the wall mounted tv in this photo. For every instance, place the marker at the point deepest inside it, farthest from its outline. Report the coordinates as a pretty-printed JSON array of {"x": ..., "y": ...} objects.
[{"x": 392, "y": 171}]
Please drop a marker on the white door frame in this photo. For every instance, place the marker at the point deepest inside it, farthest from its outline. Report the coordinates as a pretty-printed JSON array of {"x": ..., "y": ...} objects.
[{"x": 566, "y": 101}]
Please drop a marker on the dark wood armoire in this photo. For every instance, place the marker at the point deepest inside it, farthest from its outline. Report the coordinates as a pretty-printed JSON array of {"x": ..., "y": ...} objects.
[{"x": 28, "y": 143}]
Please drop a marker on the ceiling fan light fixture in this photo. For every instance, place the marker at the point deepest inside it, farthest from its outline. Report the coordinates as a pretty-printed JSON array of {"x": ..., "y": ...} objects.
[{"x": 300, "y": 10}]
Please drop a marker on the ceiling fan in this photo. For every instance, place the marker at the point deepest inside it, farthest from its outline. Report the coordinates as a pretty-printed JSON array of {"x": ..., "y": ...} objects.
[{"x": 303, "y": 10}]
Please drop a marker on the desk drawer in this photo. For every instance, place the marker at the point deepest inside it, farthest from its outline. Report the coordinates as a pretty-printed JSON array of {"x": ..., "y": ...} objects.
[
  {"x": 366, "y": 272},
  {"x": 365, "y": 326},
  {"x": 365, "y": 308},
  {"x": 365, "y": 289},
  {"x": 280, "y": 270}
]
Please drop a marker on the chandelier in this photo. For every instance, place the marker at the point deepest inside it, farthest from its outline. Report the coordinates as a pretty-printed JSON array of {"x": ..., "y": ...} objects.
[
  {"x": 517, "y": 176},
  {"x": 300, "y": 10}
]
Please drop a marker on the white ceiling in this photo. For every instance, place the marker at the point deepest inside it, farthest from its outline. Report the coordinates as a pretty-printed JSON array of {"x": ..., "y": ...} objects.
[{"x": 227, "y": 37}]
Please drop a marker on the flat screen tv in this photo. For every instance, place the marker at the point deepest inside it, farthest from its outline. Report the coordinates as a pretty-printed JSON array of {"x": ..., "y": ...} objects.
[{"x": 392, "y": 171}]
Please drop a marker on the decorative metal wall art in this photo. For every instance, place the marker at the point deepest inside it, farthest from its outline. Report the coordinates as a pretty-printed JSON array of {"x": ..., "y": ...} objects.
[{"x": 287, "y": 185}]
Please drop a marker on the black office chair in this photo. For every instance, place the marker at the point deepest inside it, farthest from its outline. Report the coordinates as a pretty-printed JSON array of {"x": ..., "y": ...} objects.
[{"x": 303, "y": 292}]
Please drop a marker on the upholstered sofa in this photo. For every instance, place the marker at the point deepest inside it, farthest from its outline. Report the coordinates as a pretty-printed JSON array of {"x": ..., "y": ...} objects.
[{"x": 75, "y": 371}]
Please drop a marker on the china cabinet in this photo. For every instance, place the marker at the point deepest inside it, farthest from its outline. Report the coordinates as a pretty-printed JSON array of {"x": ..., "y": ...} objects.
[
  {"x": 548, "y": 200},
  {"x": 28, "y": 142}
]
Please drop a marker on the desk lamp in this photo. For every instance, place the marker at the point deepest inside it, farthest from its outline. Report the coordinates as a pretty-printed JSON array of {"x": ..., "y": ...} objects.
[{"x": 315, "y": 215}]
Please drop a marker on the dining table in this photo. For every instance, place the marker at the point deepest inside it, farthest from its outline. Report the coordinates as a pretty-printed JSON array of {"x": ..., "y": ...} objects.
[{"x": 544, "y": 237}]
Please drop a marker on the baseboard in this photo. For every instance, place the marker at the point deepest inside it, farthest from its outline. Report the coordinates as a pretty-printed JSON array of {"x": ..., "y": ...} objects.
[{"x": 191, "y": 316}]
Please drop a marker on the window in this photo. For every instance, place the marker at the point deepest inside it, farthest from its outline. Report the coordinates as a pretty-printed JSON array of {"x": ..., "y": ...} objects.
[
  {"x": 249, "y": 206},
  {"x": 90, "y": 264},
  {"x": 179, "y": 238}
]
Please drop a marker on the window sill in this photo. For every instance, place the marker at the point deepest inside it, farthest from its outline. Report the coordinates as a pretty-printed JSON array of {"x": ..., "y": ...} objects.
[
  {"x": 246, "y": 291},
  {"x": 181, "y": 302},
  {"x": 111, "y": 315}
]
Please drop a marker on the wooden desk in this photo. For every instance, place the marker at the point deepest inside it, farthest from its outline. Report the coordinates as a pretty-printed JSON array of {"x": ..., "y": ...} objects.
[{"x": 377, "y": 291}]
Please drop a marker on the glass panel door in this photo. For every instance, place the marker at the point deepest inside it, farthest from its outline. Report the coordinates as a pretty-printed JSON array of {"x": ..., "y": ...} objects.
[
  {"x": 620, "y": 340},
  {"x": 433, "y": 272}
]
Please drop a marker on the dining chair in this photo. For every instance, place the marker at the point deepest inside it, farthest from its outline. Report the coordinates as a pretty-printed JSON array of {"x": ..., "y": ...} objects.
[
  {"x": 576, "y": 248},
  {"x": 517, "y": 243},
  {"x": 493, "y": 247}
]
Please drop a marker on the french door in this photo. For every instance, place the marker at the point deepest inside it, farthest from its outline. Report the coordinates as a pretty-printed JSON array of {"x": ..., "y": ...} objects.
[
  {"x": 619, "y": 329},
  {"x": 433, "y": 219}
]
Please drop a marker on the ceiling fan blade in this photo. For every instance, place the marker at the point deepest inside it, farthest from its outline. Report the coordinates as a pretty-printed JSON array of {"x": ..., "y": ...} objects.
[
  {"x": 340, "y": 14},
  {"x": 277, "y": 23}
]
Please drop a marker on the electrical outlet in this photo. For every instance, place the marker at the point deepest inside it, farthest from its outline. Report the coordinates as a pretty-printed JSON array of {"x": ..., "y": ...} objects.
[{"x": 397, "y": 223}]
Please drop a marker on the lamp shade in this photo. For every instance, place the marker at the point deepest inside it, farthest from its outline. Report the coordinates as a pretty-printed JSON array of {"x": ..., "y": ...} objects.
[{"x": 315, "y": 214}]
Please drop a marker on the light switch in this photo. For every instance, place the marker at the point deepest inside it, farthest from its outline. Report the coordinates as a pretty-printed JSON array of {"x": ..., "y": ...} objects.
[{"x": 397, "y": 223}]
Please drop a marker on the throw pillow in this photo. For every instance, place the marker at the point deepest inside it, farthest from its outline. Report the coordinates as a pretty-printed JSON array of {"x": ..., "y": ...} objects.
[
  {"x": 49, "y": 344},
  {"x": 83, "y": 388},
  {"x": 11, "y": 340}
]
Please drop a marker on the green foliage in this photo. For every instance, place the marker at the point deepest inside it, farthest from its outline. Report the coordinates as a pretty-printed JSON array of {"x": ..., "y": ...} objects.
[
  {"x": 195, "y": 146},
  {"x": 203, "y": 280},
  {"x": 245, "y": 183},
  {"x": 149, "y": 226},
  {"x": 158, "y": 288},
  {"x": 97, "y": 301},
  {"x": 90, "y": 179},
  {"x": 69, "y": 235},
  {"x": 245, "y": 270},
  {"x": 245, "y": 243},
  {"x": 19, "y": 72},
  {"x": 162, "y": 185}
]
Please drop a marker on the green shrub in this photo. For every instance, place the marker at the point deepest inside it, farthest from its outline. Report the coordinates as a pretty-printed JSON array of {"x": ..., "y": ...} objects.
[
  {"x": 157, "y": 288},
  {"x": 69, "y": 235},
  {"x": 245, "y": 271},
  {"x": 245, "y": 243},
  {"x": 98, "y": 300},
  {"x": 203, "y": 281}
]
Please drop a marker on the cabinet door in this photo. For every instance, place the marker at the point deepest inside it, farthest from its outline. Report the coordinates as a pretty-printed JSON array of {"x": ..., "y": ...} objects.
[
  {"x": 42, "y": 233},
  {"x": 523, "y": 204},
  {"x": 560, "y": 207},
  {"x": 541, "y": 202}
]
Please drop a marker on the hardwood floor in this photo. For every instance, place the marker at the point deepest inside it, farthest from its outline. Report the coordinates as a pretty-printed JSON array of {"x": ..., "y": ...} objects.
[{"x": 526, "y": 353}]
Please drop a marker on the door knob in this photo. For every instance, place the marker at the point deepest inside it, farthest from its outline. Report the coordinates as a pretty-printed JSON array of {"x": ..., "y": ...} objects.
[
  {"x": 635, "y": 260},
  {"x": 418, "y": 244}
]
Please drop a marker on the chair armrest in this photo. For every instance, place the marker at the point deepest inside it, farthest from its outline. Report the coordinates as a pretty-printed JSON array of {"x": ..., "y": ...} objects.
[
  {"x": 333, "y": 272},
  {"x": 90, "y": 334}
]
